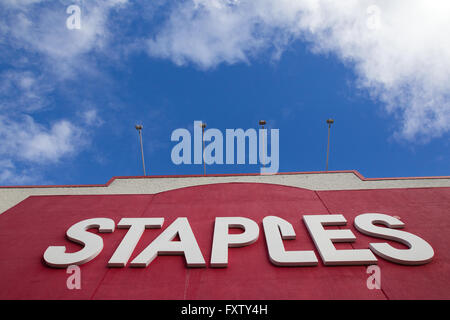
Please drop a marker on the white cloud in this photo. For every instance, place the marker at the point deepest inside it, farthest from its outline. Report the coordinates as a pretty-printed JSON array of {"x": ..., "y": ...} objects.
[
  {"x": 23, "y": 91},
  {"x": 20, "y": 3},
  {"x": 37, "y": 29},
  {"x": 90, "y": 117},
  {"x": 42, "y": 30},
  {"x": 26, "y": 140},
  {"x": 26, "y": 143},
  {"x": 400, "y": 51},
  {"x": 10, "y": 174}
]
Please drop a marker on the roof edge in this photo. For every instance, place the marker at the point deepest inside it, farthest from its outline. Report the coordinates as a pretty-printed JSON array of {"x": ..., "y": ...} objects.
[{"x": 355, "y": 172}]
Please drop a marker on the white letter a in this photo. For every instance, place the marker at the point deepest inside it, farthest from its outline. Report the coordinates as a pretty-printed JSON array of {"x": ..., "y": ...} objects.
[{"x": 74, "y": 20}]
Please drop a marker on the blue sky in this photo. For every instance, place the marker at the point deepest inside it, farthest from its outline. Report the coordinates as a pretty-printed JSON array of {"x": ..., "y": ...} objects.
[{"x": 69, "y": 99}]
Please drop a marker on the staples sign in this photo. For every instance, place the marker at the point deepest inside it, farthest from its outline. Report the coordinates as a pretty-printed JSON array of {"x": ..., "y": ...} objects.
[{"x": 276, "y": 230}]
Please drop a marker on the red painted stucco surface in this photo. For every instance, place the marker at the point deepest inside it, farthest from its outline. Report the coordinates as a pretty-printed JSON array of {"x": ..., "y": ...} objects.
[{"x": 27, "y": 229}]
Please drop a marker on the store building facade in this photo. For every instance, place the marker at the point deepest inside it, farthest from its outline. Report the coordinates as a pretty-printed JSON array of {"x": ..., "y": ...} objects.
[{"x": 193, "y": 221}]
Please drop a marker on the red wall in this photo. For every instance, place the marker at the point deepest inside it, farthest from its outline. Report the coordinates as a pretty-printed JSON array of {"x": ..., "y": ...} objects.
[{"x": 27, "y": 229}]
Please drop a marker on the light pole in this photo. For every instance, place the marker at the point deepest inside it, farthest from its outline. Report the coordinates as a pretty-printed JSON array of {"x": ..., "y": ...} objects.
[
  {"x": 139, "y": 129},
  {"x": 329, "y": 122},
  {"x": 203, "y": 149},
  {"x": 262, "y": 123}
]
